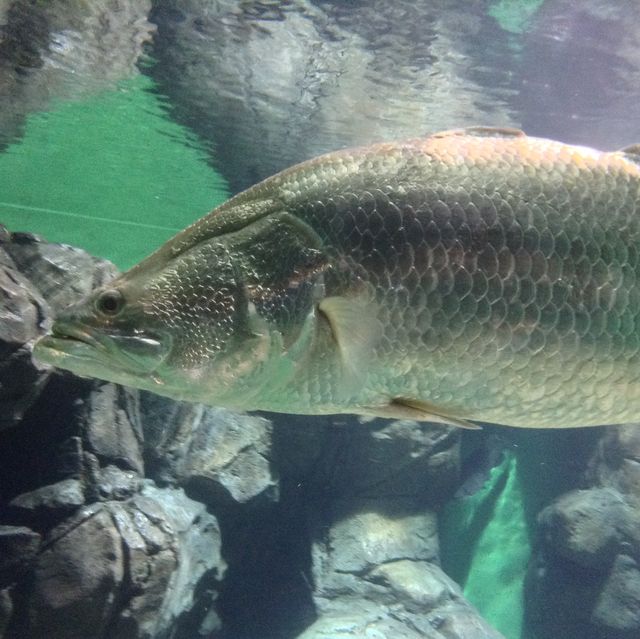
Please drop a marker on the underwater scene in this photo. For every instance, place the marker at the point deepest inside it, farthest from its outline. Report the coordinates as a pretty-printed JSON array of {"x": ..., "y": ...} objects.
[{"x": 392, "y": 392}]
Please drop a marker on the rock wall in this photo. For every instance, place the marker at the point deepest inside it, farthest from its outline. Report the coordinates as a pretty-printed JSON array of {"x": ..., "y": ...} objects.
[
  {"x": 88, "y": 546},
  {"x": 584, "y": 576}
]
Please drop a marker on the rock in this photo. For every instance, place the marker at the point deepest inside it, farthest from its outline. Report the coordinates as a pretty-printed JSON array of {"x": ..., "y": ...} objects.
[
  {"x": 6, "y": 610},
  {"x": 587, "y": 526},
  {"x": 21, "y": 306},
  {"x": 78, "y": 576},
  {"x": 112, "y": 425},
  {"x": 116, "y": 484},
  {"x": 583, "y": 579},
  {"x": 374, "y": 534},
  {"x": 362, "y": 619},
  {"x": 56, "y": 500},
  {"x": 415, "y": 600},
  {"x": 18, "y": 547},
  {"x": 173, "y": 548},
  {"x": 222, "y": 455},
  {"x": 426, "y": 599},
  {"x": 137, "y": 568},
  {"x": 376, "y": 575},
  {"x": 121, "y": 559},
  {"x": 618, "y": 604},
  {"x": 617, "y": 462},
  {"x": 22, "y": 311},
  {"x": 418, "y": 585},
  {"x": 61, "y": 274},
  {"x": 32, "y": 271}
]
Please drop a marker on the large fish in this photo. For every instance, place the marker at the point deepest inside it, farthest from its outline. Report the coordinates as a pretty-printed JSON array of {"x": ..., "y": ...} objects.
[{"x": 475, "y": 275}]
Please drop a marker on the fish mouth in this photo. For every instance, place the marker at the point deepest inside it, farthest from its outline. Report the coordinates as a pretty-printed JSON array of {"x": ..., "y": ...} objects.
[
  {"x": 64, "y": 340},
  {"x": 77, "y": 348},
  {"x": 67, "y": 332}
]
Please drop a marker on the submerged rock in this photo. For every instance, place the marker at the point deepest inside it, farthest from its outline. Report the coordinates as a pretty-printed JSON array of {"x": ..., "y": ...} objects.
[
  {"x": 106, "y": 553},
  {"x": 222, "y": 455},
  {"x": 129, "y": 567},
  {"x": 370, "y": 493},
  {"x": 584, "y": 577},
  {"x": 60, "y": 499},
  {"x": 376, "y": 575},
  {"x": 18, "y": 547},
  {"x": 22, "y": 310}
]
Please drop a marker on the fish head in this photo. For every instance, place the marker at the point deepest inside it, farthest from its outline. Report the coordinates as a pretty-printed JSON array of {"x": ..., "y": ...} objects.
[{"x": 207, "y": 324}]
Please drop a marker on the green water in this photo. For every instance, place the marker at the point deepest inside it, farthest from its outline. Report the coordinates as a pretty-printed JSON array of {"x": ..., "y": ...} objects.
[
  {"x": 111, "y": 174},
  {"x": 486, "y": 547}
]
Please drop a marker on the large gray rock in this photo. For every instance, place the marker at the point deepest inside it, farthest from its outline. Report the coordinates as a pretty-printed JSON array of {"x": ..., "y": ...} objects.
[
  {"x": 78, "y": 575},
  {"x": 376, "y": 575},
  {"x": 36, "y": 280},
  {"x": 60, "y": 273},
  {"x": 225, "y": 456},
  {"x": 375, "y": 540},
  {"x": 372, "y": 534},
  {"x": 618, "y": 604},
  {"x": 590, "y": 527},
  {"x": 112, "y": 426},
  {"x": 22, "y": 310},
  {"x": 130, "y": 567},
  {"x": 61, "y": 498},
  {"x": 584, "y": 581},
  {"x": 105, "y": 553},
  {"x": 18, "y": 547}
]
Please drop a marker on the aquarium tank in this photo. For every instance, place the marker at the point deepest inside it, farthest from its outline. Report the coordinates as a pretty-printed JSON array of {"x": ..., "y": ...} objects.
[{"x": 389, "y": 394}]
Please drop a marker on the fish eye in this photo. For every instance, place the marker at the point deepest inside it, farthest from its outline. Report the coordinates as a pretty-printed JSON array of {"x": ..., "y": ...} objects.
[{"x": 110, "y": 302}]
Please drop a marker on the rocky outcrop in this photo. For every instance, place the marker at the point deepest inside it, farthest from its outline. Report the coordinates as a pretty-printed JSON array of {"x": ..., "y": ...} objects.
[
  {"x": 88, "y": 547},
  {"x": 224, "y": 456},
  {"x": 372, "y": 492},
  {"x": 120, "y": 569},
  {"x": 376, "y": 572},
  {"x": 584, "y": 578}
]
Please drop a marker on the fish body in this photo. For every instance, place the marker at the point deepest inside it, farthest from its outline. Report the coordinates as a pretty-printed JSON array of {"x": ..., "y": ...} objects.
[{"x": 473, "y": 275}]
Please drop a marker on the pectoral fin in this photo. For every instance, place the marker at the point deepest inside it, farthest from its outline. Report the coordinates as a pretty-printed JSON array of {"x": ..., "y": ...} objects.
[
  {"x": 356, "y": 330},
  {"x": 407, "y": 408}
]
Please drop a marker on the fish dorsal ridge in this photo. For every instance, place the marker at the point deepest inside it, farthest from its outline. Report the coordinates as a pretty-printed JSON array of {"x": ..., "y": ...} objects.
[
  {"x": 632, "y": 153},
  {"x": 482, "y": 132}
]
